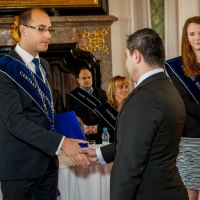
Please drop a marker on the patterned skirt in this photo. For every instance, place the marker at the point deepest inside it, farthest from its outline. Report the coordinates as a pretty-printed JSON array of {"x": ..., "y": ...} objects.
[{"x": 188, "y": 162}]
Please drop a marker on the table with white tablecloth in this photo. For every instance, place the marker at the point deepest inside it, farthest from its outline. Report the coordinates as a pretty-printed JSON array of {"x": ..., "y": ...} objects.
[{"x": 77, "y": 183}]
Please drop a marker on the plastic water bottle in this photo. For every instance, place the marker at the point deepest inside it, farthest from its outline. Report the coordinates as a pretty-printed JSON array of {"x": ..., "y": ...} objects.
[{"x": 105, "y": 136}]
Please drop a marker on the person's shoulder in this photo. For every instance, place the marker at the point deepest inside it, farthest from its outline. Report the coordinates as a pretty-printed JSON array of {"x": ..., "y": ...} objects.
[
  {"x": 100, "y": 94},
  {"x": 174, "y": 61},
  {"x": 69, "y": 97},
  {"x": 14, "y": 54},
  {"x": 71, "y": 91},
  {"x": 98, "y": 90},
  {"x": 44, "y": 61}
]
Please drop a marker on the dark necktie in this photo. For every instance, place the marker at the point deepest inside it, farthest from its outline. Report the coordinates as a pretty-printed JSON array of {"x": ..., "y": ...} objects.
[{"x": 37, "y": 67}]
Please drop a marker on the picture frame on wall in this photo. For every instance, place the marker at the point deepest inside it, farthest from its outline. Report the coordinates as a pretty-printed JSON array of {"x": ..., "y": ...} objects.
[{"x": 56, "y": 7}]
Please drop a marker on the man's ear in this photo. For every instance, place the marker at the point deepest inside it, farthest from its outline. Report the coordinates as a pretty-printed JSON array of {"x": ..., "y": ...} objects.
[
  {"x": 22, "y": 29},
  {"x": 138, "y": 56}
]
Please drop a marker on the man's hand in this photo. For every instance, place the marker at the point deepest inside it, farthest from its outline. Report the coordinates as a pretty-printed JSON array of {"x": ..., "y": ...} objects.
[
  {"x": 91, "y": 153},
  {"x": 90, "y": 130},
  {"x": 72, "y": 149}
]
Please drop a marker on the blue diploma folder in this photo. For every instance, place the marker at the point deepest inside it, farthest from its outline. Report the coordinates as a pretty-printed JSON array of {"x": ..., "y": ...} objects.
[{"x": 67, "y": 124}]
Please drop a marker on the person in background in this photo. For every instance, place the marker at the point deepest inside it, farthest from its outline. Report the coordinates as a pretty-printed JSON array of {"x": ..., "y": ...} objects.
[
  {"x": 117, "y": 93},
  {"x": 148, "y": 128},
  {"x": 89, "y": 118},
  {"x": 184, "y": 72},
  {"x": 58, "y": 102},
  {"x": 28, "y": 143}
]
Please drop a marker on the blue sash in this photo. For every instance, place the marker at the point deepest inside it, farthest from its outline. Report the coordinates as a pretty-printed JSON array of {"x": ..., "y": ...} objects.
[
  {"x": 105, "y": 110},
  {"x": 85, "y": 98},
  {"x": 191, "y": 84},
  {"x": 21, "y": 75},
  {"x": 108, "y": 113}
]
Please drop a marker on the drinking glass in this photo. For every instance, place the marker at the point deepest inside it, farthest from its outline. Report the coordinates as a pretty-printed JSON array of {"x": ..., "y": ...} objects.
[{"x": 92, "y": 144}]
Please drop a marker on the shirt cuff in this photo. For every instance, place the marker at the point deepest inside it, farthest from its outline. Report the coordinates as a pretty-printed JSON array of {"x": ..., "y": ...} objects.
[
  {"x": 100, "y": 157},
  {"x": 59, "y": 147},
  {"x": 85, "y": 126}
]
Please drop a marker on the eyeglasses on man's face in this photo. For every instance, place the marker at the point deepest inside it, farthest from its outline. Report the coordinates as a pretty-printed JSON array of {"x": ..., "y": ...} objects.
[{"x": 40, "y": 28}]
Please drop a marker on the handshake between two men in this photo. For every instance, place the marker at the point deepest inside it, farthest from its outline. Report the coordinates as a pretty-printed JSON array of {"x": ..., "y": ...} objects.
[{"x": 79, "y": 156}]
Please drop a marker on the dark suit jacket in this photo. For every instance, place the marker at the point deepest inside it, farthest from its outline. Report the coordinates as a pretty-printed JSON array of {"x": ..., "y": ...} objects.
[
  {"x": 149, "y": 128},
  {"x": 58, "y": 102},
  {"x": 88, "y": 117},
  {"x": 192, "y": 124},
  {"x": 27, "y": 145}
]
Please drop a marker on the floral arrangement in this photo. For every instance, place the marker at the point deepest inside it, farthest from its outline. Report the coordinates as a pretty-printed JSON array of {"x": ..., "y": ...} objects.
[{"x": 14, "y": 30}]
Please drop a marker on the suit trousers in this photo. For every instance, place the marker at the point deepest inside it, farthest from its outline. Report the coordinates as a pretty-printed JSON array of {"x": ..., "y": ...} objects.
[{"x": 42, "y": 188}]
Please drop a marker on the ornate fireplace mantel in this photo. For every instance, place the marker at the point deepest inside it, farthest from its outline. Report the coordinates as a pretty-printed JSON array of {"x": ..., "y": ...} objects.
[{"x": 91, "y": 33}]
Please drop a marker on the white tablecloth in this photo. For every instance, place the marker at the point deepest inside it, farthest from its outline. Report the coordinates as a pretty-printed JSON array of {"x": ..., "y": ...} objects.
[{"x": 77, "y": 183}]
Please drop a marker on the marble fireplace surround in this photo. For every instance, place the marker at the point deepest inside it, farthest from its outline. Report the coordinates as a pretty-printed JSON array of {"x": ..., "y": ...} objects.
[{"x": 91, "y": 33}]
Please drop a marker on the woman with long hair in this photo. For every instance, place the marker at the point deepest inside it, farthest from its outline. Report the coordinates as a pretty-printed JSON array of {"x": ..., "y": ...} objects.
[
  {"x": 184, "y": 71},
  {"x": 117, "y": 91}
]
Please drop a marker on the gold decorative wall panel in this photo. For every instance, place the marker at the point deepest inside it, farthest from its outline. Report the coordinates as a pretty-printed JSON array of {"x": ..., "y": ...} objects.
[{"x": 96, "y": 40}]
